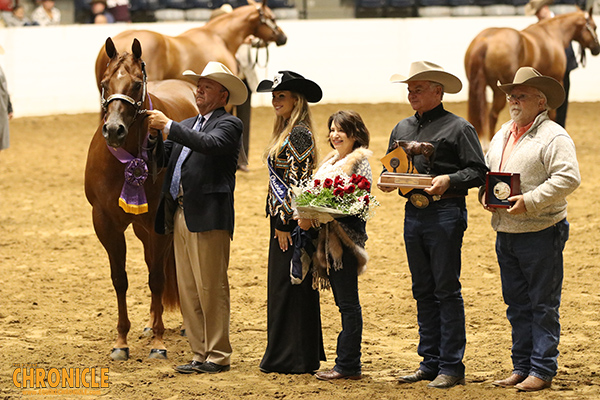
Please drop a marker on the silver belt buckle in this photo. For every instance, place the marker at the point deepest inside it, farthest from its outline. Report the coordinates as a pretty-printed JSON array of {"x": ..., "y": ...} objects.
[{"x": 419, "y": 200}]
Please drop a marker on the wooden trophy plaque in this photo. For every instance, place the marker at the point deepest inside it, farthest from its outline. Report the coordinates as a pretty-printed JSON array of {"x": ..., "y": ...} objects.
[{"x": 398, "y": 175}]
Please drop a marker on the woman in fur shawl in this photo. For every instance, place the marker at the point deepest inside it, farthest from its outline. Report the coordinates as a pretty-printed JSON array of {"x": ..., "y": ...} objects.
[{"x": 340, "y": 256}]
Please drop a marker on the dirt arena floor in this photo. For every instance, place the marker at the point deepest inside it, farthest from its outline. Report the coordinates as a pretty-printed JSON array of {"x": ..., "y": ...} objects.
[{"x": 58, "y": 307}]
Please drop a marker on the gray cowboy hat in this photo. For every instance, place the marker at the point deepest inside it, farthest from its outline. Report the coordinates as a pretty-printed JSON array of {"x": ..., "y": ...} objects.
[
  {"x": 428, "y": 71},
  {"x": 294, "y": 82},
  {"x": 528, "y": 76},
  {"x": 238, "y": 93}
]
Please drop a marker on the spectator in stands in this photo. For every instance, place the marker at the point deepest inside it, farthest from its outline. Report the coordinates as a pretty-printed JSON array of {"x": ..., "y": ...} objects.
[
  {"x": 541, "y": 9},
  {"x": 99, "y": 13},
  {"x": 119, "y": 10},
  {"x": 17, "y": 17},
  {"x": 46, "y": 14}
]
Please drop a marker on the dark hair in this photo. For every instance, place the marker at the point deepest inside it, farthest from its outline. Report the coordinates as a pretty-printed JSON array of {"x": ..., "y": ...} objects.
[{"x": 352, "y": 125}]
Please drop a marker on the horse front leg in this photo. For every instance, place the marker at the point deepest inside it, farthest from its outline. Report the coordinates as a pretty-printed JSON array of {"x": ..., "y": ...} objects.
[
  {"x": 113, "y": 240},
  {"x": 154, "y": 254}
]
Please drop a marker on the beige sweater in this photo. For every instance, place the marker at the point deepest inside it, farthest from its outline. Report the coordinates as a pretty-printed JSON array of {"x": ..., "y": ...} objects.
[{"x": 545, "y": 157}]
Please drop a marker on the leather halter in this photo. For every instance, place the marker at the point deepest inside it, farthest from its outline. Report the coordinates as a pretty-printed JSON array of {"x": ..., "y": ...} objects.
[{"x": 128, "y": 99}]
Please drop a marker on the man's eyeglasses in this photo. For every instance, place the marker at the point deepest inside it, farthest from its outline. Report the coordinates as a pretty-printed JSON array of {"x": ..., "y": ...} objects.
[{"x": 518, "y": 98}]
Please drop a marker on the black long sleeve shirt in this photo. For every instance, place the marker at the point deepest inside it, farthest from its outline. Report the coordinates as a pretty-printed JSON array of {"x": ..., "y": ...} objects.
[{"x": 458, "y": 152}]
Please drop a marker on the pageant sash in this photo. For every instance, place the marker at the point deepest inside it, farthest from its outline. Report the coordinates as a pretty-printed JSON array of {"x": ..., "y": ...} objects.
[{"x": 279, "y": 188}]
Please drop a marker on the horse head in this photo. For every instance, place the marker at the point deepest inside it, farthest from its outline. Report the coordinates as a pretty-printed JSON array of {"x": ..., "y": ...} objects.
[
  {"x": 266, "y": 27},
  {"x": 123, "y": 88},
  {"x": 587, "y": 36}
]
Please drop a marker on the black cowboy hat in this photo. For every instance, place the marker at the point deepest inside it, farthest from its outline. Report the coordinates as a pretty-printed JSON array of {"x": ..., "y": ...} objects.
[{"x": 288, "y": 80}]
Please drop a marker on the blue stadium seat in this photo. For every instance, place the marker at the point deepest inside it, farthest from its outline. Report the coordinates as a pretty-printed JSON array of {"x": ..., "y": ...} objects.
[
  {"x": 144, "y": 5},
  {"x": 177, "y": 4},
  {"x": 401, "y": 8},
  {"x": 433, "y": 3},
  {"x": 205, "y": 3},
  {"x": 237, "y": 3},
  {"x": 281, "y": 4},
  {"x": 370, "y": 8}
]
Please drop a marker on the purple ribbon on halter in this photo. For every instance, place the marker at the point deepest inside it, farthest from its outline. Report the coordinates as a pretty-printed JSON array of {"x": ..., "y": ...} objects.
[{"x": 133, "y": 197}]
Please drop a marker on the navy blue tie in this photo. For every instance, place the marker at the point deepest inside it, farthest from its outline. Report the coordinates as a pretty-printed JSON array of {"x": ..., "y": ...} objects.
[{"x": 174, "y": 188}]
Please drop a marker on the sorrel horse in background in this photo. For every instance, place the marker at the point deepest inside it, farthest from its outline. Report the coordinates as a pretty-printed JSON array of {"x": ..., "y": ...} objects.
[
  {"x": 497, "y": 53},
  {"x": 218, "y": 40},
  {"x": 126, "y": 96}
]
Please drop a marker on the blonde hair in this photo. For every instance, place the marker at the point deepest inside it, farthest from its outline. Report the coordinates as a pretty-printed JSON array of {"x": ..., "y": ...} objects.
[{"x": 283, "y": 127}]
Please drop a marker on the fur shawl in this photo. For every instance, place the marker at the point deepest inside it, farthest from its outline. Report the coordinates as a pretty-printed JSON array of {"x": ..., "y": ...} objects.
[{"x": 333, "y": 237}]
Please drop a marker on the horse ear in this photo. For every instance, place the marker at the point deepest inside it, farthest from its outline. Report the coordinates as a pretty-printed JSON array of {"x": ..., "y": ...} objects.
[
  {"x": 136, "y": 48},
  {"x": 110, "y": 48}
]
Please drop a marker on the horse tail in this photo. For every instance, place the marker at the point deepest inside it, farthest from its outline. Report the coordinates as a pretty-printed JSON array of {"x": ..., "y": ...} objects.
[
  {"x": 170, "y": 297},
  {"x": 475, "y": 69}
]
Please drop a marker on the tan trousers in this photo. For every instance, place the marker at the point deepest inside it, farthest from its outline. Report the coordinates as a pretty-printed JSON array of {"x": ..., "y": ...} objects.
[{"x": 202, "y": 259}]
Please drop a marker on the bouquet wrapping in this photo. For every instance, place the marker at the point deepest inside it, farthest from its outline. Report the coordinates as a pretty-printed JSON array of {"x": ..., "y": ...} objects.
[{"x": 333, "y": 197}]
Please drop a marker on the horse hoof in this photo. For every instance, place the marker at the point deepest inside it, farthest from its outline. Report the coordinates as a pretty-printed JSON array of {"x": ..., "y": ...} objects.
[
  {"x": 160, "y": 354},
  {"x": 120, "y": 354},
  {"x": 182, "y": 332},
  {"x": 147, "y": 332}
]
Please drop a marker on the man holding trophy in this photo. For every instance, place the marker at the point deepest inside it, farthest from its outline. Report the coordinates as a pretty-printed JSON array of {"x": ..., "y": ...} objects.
[
  {"x": 531, "y": 227},
  {"x": 445, "y": 149}
]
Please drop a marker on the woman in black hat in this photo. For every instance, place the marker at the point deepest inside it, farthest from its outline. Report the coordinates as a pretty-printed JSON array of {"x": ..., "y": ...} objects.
[{"x": 295, "y": 342}]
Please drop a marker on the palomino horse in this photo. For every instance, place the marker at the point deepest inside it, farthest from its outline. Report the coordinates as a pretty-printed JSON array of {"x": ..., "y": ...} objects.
[
  {"x": 497, "y": 53},
  {"x": 218, "y": 40},
  {"x": 115, "y": 176}
]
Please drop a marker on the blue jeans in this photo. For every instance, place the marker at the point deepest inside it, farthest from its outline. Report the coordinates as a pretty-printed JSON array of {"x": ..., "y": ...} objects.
[
  {"x": 531, "y": 268},
  {"x": 433, "y": 238},
  {"x": 344, "y": 284}
]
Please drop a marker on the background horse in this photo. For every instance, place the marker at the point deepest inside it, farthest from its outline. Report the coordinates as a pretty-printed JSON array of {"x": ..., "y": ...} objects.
[
  {"x": 497, "y": 53},
  {"x": 124, "y": 132},
  {"x": 218, "y": 40}
]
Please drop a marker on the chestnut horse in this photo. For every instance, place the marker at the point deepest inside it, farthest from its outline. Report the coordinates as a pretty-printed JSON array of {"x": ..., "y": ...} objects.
[
  {"x": 497, "y": 53},
  {"x": 218, "y": 40},
  {"x": 117, "y": 161}
]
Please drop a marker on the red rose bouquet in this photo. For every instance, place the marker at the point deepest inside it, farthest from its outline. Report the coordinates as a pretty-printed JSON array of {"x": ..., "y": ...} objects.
[{"x": 341, "y": 195}]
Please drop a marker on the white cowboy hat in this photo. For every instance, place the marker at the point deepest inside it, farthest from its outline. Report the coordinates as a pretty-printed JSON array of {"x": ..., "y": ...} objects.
[
  {"x": 238, "y": 93},
  {"x": 528, "y": 76},
  {"x": 428, "y": 71},
  {"x": 534, "y": 6}
]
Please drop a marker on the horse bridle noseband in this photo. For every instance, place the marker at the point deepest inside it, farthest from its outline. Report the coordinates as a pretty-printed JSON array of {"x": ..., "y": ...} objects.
[{"x": 120, "y": 96}]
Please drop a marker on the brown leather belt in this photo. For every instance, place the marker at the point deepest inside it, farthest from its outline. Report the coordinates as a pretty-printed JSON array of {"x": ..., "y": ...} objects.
[{"x": 451, "y": 196}]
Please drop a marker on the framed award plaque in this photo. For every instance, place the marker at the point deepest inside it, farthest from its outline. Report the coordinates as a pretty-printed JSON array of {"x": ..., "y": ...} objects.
[
  {"x": 398, "y": 180},
  {"x": 401, "y": 173},
  {"x": 499, "y": 186}
]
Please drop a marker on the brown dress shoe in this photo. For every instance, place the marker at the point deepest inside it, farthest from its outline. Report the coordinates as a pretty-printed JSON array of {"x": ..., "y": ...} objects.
[
  {"x": 510, "y": 381},
  {"x": 446, "y": 381},
  {"x": 533, "y": 384},
  {"x": 419, "y": 375},
  {"x": 333, "y": 374}
]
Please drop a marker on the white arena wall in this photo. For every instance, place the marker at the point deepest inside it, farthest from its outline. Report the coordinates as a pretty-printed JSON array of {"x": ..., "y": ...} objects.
[{"x": 51, "y": 70}]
